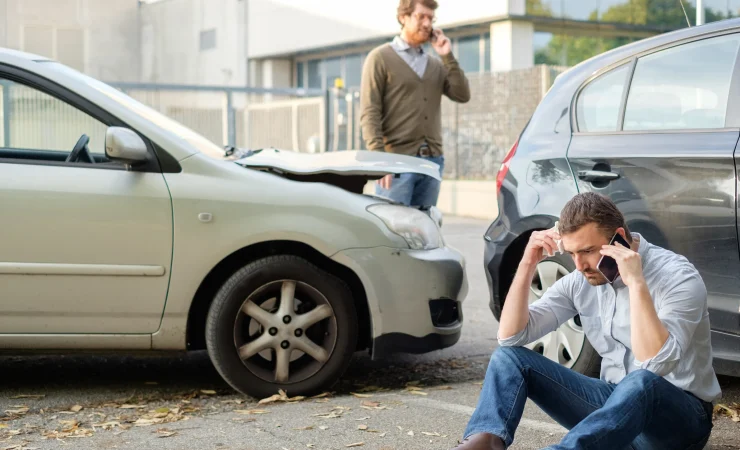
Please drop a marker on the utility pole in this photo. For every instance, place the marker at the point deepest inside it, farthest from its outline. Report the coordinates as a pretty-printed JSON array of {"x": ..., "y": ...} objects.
[{"x": 699, "y": 12}]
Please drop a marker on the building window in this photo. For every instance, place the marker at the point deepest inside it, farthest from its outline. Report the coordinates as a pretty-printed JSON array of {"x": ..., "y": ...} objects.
[
  {"x": 353, "y": 71},
  {"x": 569, "y": 50},
  {"x": 208, "y": 39},
  {"x": 299, "y": 75},
  {"x": 487, "y": 53},
  {"x": 332, "y": 71},
  {"x": 468, "y": 50},
  {"x": 314, "y": 74}
]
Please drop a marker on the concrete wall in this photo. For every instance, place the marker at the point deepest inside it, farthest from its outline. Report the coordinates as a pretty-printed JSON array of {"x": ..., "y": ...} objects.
[
  {"x": 171, "y": 42},
  {"x": 477, "y": 134},
  {"x": 98, "y": 37}
]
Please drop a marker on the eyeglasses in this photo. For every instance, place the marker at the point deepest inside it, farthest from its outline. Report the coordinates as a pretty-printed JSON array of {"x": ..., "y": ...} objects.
[{"x": 421, "y": 17}]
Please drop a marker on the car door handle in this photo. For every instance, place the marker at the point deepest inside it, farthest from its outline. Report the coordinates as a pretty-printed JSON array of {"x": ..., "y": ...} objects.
[{"x": 597, "y": 175}]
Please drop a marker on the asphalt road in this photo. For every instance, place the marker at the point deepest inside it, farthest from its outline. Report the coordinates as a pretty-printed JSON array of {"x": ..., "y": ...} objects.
[{"x": 179, "y": 401}]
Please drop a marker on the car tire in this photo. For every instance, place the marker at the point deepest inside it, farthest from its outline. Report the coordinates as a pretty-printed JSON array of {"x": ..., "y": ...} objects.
[
  {"x": 248, "y": 335},
  {"x": 587, "y": 361}
]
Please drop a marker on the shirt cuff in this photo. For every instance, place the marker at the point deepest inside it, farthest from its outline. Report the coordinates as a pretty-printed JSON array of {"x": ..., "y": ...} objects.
[
  {"x": 512, "y": 341},
  {"x": 665, "y": 360}
]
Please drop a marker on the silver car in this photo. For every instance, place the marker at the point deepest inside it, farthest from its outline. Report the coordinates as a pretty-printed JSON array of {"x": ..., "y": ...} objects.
[{"x": 121, "y": 229}]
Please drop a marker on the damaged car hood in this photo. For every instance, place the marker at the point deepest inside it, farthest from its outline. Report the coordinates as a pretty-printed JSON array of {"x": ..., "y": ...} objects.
[{"x": 349, "y": 169}]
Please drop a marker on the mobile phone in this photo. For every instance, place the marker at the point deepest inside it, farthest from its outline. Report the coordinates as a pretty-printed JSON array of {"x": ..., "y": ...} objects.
[
  {"x": 433, "y": 35},
  {"x": 608, "y": 265}
]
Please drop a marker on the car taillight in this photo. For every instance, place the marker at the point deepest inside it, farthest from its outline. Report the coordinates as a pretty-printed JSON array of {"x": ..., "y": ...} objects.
[{"x": 504, "y": 169}]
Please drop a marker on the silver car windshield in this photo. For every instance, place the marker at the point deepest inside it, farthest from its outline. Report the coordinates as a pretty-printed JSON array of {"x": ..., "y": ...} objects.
[{"x": 201, "y": 143}]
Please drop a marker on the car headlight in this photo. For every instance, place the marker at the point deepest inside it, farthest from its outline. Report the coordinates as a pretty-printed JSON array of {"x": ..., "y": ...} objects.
[{"x": 416, "y": 227}]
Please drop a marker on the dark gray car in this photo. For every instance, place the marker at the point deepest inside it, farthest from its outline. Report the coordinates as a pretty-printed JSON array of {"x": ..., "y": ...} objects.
[{"x": 655, "y": 126}]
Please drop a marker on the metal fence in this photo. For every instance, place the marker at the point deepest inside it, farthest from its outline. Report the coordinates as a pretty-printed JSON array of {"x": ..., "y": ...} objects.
[{"x": 476, "y": 135}]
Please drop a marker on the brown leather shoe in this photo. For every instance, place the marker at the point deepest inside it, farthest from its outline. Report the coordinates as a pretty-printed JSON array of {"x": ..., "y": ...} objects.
[{"x": 482, "y": 441}]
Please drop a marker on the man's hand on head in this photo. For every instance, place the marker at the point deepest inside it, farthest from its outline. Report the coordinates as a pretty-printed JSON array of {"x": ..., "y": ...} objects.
[
  {"x": 538, "y": 241},
  {"x": 629, "y": 263}
]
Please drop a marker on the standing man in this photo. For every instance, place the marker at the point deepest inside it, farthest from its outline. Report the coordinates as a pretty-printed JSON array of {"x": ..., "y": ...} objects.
[
  {"x": 650, "y": 326},
  {"x": 400, "y": 99}
]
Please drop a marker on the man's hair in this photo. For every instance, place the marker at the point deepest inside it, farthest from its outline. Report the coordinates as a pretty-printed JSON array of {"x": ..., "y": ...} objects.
[
  {"x": 407, "y": 7},
  {"x": 590, "y": 207}
]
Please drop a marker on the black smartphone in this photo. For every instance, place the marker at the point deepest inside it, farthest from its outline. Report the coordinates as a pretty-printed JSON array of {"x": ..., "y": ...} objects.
[
  {"x": 433, "y": 35},
  {"x": 608, "y": 265}
]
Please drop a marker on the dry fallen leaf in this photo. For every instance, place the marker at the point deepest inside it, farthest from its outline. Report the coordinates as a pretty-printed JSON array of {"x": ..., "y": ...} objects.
[
  {"x": 732, "y": 411},
  {"x": 371, "y": 404},
  {"x": 382, "y": 435},
  {"x": 208, "y": 392},
  {"x": 28, "y": 396},
  {"x": 251, "y": 411},
  {"x": 418, "y": 393},
  {"x": 322, "y": 395},
  {"x": 281, "y": 396},
  {"x": 323, "y": 427},
  {"x": 361, "y": 395},
  {"x": 356, "y": 444},
  {"x": 362, "y": 427},
  {"x": 165, "y": 433},
  {"x": 410, "y": 433},
  {"x": 17, "y": 412},
  {"x": 441, "y": 388},
  {"x": 76, "y": 408},
  {"x": 310, "y": 427},
  {"x": 431, "y": 434},
  {"x": 132, "y": 406}
]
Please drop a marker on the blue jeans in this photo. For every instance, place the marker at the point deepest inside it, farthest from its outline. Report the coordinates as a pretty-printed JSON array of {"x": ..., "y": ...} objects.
[
  {"x": 643, "y": 411},
  {"x": 413, "y": 189}
]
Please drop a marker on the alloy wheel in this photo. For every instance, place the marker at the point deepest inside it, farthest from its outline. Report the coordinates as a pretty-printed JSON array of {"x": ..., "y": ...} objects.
[{"x": 285, "y": 331}]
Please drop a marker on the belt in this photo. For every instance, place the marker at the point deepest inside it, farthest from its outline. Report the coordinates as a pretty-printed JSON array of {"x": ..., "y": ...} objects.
[{"x": 424, "y": 151}]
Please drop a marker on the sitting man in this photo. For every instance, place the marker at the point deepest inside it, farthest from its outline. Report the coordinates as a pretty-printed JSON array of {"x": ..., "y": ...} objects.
[{"x": 650, "y": 326}]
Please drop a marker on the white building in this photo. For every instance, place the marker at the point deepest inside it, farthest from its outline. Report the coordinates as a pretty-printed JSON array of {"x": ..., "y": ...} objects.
[
  {"x": 98, "y": 37},
  {"x": 308, "y": 43}
]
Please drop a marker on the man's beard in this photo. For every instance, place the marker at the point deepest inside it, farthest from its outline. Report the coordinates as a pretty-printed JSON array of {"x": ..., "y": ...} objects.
[
  {"x": 421, "y": 37},
  {"x": 594, "y": 278}
]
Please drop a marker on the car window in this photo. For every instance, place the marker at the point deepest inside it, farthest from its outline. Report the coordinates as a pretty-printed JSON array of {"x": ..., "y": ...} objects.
[
  {"x": 33, "y": 120},
  {"x": 598, "y": 103},
  {"x": 684, "y": 87}
]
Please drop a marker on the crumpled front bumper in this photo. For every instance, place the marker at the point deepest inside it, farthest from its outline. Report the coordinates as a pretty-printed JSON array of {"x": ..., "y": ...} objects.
[{"x": 414, "y": 296}]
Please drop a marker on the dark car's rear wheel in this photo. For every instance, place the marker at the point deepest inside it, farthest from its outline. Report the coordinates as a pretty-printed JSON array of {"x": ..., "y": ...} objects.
[
  {"x": 568, "y": 344},
  {"x": 281, "y": 323}
]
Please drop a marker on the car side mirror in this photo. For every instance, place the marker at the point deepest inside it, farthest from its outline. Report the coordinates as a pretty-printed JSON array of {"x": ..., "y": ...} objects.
[{"x": 122, "y": 144}]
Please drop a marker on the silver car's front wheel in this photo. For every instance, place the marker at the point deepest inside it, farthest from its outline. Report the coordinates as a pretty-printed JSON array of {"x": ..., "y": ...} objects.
[
  {"x": 282, "y": 323},
  {"x": 567, "y": 345}
]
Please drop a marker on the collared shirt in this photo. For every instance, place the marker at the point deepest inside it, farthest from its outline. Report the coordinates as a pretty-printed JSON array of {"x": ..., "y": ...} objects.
[
  {"x": 680, "y": 299},
  {"x": 416, "y": 58}
]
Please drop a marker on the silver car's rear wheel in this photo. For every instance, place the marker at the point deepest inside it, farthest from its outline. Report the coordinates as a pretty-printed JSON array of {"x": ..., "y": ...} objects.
[{"x": 565, "y": 344}]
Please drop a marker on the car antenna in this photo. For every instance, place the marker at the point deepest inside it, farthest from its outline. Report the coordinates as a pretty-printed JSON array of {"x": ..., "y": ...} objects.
[{"x": 684, "y": 12}]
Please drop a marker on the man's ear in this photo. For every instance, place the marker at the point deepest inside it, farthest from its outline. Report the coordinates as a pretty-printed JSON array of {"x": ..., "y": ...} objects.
[{"x": 623, "y": 233}]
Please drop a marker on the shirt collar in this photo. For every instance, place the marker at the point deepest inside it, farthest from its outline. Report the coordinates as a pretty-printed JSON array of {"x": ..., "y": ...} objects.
[{"x": 402, "y": 45}]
